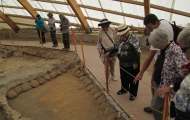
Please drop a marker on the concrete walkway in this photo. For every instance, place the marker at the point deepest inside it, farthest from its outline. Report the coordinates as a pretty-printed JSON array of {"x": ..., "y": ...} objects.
[{"x": 94, "y": 64}]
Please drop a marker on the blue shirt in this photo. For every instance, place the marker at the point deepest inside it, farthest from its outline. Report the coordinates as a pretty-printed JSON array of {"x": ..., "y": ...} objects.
[{"x": 39, "y": 23}]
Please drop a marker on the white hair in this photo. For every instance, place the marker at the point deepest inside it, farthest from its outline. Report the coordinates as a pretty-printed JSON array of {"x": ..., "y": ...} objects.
[
  {"x": 184, "y": 37},
  {"x": 158, "y": 37}
]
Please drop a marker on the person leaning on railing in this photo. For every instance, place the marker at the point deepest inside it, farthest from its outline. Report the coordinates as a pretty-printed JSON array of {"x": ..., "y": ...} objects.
[
  {"x": 182, "y": 97},
  {"x": 167, "y": 69}
]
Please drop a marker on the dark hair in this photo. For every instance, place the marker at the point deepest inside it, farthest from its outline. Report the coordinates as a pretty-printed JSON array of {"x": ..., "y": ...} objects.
[
  {"x": 38, "y": 16},
  {"x": 150, "y": 18}
]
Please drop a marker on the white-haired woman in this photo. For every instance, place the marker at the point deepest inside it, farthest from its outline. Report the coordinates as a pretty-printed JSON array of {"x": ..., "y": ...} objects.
[
  {"x": 167, "y": 69},
  {"x": 182, "y": 97}
]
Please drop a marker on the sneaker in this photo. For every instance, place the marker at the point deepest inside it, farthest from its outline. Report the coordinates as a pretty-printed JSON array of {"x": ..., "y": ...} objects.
[
  {"x": 131, "y": 98},
  {"x": 113, "y": 78},
  {"x": 67, "y": 49},
  {"x": 121, "y": 92},
  {"x": 63, "y": 48},
  {"x": 148, "y": 110},
  {"x": 55, "y": 46}
]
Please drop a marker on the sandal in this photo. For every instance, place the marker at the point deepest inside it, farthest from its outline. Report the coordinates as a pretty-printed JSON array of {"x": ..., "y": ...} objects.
[
  {"x": 121, "y": 92},
  {"x": 131, "y": 98}
]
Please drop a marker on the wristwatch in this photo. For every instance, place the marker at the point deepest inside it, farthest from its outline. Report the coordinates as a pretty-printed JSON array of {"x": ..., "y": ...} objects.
[{"x": 171, "y": 86}]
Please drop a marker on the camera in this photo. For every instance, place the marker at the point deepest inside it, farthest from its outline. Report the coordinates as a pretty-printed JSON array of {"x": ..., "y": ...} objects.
[
  {"x": 51, "y": 28},
  {"x": 147, "y": 43}
]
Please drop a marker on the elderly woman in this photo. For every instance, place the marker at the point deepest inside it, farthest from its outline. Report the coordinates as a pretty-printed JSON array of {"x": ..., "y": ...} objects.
[
  {"x": 167, "y": 69},
  {"x": 52, "y": 28},
  {"x": 182, "y": 97},
  {"x": 129, "y": 60}
]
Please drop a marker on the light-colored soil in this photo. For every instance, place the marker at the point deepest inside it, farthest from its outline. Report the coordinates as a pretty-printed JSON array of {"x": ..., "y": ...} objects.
[{"x": 62, "y": 98}]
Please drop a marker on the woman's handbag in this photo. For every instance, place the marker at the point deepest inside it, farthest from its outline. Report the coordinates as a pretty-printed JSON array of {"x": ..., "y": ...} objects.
[{"x": 172, "y": 109}]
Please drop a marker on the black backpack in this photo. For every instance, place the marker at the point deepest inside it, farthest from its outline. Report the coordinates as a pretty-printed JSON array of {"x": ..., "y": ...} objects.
[{"x": 176, "y": 30}]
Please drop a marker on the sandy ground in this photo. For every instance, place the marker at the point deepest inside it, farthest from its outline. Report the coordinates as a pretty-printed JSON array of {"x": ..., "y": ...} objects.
[{"x": 62, "y": 98}]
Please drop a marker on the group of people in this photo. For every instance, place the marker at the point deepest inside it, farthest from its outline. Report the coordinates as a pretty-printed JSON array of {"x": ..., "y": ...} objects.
[
  {"x": 171, "y": 68},
  {"x": 51, "y": 27}
]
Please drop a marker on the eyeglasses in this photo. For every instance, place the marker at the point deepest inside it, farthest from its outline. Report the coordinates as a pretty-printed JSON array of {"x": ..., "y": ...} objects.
[
  {"x": 185, "y": 49},
  {"x": 106, "y": 26}
]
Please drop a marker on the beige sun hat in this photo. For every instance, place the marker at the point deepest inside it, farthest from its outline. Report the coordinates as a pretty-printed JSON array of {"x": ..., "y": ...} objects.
[{"x": 122, "y": 29}]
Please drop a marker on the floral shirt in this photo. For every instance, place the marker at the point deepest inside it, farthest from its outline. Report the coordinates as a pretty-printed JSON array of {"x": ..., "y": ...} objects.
[
  {"x": 174, "y": 59},
  {"x": 182, "y": 97},
  {"x": 129, "y": 51}
]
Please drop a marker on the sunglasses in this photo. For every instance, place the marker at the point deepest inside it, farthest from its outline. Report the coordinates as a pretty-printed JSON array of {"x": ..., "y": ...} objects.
[{"x": 106, "y": 26}]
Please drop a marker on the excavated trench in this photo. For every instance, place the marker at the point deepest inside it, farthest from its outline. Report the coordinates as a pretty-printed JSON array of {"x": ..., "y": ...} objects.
[{"x": 47, "y": 84}]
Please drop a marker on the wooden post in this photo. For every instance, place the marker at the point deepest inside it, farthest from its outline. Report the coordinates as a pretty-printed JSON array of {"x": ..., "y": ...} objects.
[
  {"x": 165, "y": 112},
  {"x": 107, "y": 77},
  {"x": 82, "y": 53},
  {"x": 41, "y": 39},
  {"x": 11, "y": 38}
]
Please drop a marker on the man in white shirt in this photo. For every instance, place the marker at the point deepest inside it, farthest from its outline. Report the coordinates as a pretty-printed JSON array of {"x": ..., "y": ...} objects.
[{"x": 151, "y": 22}]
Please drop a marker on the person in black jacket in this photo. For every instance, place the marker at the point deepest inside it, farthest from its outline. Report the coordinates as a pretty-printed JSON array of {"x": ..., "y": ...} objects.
[{"x": 129, "y": 60}]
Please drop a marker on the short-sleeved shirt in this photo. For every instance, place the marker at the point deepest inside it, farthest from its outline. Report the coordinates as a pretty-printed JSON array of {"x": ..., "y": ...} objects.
[
  {"x": 65, "y": 22},
  {"x": 164, "y": 25},
  {"x": 105, "y": 40}
]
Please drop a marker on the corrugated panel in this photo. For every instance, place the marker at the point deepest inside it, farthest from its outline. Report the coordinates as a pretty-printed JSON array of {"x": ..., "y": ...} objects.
[
  {"x": 161, "y": 14},
  {"x": 133, "y": 9}
]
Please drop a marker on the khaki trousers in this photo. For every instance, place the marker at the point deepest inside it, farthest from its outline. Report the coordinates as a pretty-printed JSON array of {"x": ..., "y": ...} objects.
[{"x": 111, "y": 66}]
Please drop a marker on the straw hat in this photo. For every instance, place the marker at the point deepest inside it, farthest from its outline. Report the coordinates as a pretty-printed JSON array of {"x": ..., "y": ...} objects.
[
  {"x": 104, "y": 22},
  {"x": 122, "y": 29}
]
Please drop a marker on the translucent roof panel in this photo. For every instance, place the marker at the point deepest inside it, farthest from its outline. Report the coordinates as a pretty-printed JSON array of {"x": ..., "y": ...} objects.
[
  {"x": 161, "y": 14},
  {"x": 18, "y": 11},
  {"x": 95, "y": 14},
  {"x": 11, "y": 3},
  {"x": 114, "y": 18},
  {"x": 164, "y": 3},
  {"x": 111, "y": 5},
  {"x": 133, "y": 9},
  {"x": 181, "y": 20},
  {"x": 182, "y": 5},
  {"x": 134, "y": 22},
  {"x": 95, "y": 24},
  {"x": 94, "y": 3},
  {"x": 47, "y": 6},
  {"x": 35, "y": 4},
  {"x": 7, "y": 10},
  {"x": 62, "y": 8}
]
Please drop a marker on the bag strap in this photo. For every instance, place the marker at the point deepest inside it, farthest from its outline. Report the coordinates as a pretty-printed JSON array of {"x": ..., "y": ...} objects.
[{"x": 109, "y": 37}]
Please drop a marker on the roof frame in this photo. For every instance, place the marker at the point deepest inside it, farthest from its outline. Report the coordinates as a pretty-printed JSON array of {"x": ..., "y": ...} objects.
[
  {"x": 73, "y": 4},
  {"x": 146, "y": 7},
  {"x": 9, "y": 21}
]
